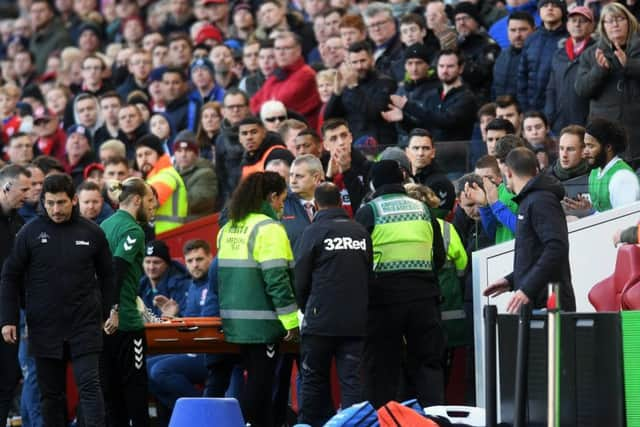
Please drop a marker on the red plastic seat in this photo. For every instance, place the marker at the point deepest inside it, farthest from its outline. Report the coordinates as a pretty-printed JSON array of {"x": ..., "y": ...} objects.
[
  {"x": 606, "y": 295},
  {"x": 631, "y": 297}
]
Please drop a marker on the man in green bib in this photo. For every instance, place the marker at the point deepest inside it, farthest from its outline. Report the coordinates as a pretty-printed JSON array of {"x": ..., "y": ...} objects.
[
  {"x": 124, "y": 367},
  {"x": 612, "y": 182}
]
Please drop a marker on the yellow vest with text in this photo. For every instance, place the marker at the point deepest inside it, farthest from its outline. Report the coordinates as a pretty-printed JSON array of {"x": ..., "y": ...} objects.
[
  {"x": 402, "y": 236},
  {"x": 173, "y": 212}
]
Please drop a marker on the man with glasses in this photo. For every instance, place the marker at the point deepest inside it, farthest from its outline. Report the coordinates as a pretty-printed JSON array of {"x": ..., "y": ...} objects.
[
  {"x": 293, "y": 79},
  {"x": 140, "y": 63},
  {"x": 383, "y": 31},
  {"x": 235, "y": 107}
]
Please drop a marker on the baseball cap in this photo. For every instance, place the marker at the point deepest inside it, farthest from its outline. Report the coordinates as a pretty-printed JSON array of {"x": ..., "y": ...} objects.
[
  {"x": 187, "y": 140},
  {"x": 43, "y": 113},
  {"x": 208, "y": 32},
  {"x": 90, "y": 168},
  {"x": 582, "y": 10},
  {"x": 206, "y": 2}
]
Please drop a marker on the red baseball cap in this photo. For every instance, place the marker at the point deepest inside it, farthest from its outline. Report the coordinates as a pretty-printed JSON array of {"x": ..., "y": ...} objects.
[
  {"x": 205, "y": 2},
  {"x": 208, "y": 32},
  {"x": 582, "y": 10}
]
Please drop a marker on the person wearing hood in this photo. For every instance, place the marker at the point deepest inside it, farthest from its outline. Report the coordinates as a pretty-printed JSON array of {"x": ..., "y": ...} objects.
[
  {"x": 83, "y": 284},
  {"x": 535, "y": 64},
  {"x": 542, "y": 240},
  {"x": 499, "y": 31},
  {"x": 156, "y": 168}
]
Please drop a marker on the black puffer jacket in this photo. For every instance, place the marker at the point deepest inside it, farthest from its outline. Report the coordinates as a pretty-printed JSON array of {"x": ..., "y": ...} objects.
[
  {"x": 67, "y": 296},
  {"x": 535, "y": 66},
  {"x": 505, "y": 73},
  {"x": 480, "y": 53},
  {"x": 542, "y": 243}
]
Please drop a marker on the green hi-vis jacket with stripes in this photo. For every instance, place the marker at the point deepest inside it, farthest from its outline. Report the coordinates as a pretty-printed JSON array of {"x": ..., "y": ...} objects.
[{"x": 255, "y": 279}]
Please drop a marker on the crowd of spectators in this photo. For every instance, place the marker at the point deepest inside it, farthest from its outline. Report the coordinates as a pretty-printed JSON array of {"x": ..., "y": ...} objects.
[{"x": 193, "y": 96}]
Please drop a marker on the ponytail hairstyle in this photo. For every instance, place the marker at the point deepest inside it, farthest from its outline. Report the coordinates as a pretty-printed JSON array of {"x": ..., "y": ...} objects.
[
  {"x": 125, "y": 190},
  {"x": 252, "y": 192}
]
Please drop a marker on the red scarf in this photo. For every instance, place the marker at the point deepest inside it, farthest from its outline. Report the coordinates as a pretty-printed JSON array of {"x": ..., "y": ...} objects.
[{"x": 574, "y": 51}]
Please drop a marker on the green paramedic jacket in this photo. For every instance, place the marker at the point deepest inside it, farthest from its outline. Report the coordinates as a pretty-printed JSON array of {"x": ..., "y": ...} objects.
[{"x": 255, "y": 281}]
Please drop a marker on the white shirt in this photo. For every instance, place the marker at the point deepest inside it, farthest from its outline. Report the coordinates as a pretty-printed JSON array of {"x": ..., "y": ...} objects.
[{"x": 624, "y": 187}]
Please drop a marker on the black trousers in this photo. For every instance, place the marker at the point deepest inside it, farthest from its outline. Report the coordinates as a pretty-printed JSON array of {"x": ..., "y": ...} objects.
[
  {"x": 417, "y": 323},
  {"x": 124, "y": 370},
  {"x": 9, "y": 377},
  {"x": 260, "y": 362},
  {"x": 317, "y": 353},
  {"x": 52, "y": 375}
]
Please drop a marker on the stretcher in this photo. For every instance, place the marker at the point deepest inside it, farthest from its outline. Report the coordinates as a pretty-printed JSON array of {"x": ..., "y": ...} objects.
[{"x": 194, "y": 335}]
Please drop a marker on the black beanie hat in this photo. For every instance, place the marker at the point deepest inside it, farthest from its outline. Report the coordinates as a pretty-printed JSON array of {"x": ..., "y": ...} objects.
[
  {"x": 386, "y": 172},
  {"x": 158, "y": 248},
  {"x": 470, "y": 9},
  {"x": 419, "y": 51},
  {"x": 151, "y": 141}
]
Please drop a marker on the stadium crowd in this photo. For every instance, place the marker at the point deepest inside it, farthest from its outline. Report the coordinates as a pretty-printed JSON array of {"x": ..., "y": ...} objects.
[{"x": 287, "y": 119}]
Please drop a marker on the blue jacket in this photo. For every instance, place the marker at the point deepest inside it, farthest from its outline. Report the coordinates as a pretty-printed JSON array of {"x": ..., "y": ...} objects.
[
  {"x": 174, "y": 284},
  {"x": 563, "y": 106},
  {"x": 216, "y": 94},
  {"x": 505, "y": 73},
  {"x": 105, "y": 212},
  {"x": 295, "y": 219},
  {"x": 499, "y": 30},
  {"x": 535, "y": 66},
  {"x": 202, "y": 300},
  {"x": 182, "y": 114}
]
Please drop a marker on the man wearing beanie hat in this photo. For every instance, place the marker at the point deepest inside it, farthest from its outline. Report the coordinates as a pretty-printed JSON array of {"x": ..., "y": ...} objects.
[
  {"x": 204, "y": 82},
  {"x": 197, "y": 173},
  {"x": 403, "y": 292},
  {"x": 163, "y": 288},
  {"x": 537, "y": 54},
  {"x": 156, "y": 168},
  {"x": 612, "y": 182},
  {"x": 420, "y": 79},
  {"x": 479, "y": 50}
]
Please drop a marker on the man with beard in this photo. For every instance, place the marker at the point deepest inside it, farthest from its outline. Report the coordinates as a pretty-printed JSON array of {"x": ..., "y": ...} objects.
[
  {"x": 571, "y": 168},
  {"x": 612, "y": 182},
  {"x": 361, "y": 94},
  {"x": 520, "y": 25},
  {"x": 156, "y": 168},
  {"x": 124, "y": 369},
  {"x": 448, "y": 111},
  {"x": 60, "y": 260}
]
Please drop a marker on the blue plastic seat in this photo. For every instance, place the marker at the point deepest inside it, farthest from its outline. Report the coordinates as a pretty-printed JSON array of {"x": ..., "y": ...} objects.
[{"x": 205, "y": 411}]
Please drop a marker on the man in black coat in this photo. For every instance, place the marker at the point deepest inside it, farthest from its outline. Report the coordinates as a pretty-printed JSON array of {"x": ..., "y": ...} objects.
[
  {"x": 361, "y": 95},
  {"x": 335, "y": 310},
  {"x": 542, "y": 239},
  {"x": 448, "y": 112},
  {"x": 14, "y": 187},
  {"x": 520, "y": 25},
  {"x": 66, "y": 297}
]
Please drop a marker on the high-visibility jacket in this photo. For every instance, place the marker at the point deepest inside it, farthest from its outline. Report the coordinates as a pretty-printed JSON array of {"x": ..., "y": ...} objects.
[
  {"x": 255, "y": 275},
  {"x": 259, "y": 165},
  {"x": 402, "y": 235},
  {"x": 172, "y": 195},
  {"x": 452, "y": 306}
]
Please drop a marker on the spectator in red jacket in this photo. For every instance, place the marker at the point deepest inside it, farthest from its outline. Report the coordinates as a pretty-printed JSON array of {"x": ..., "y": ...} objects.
[{"x": 291, "y": 79}]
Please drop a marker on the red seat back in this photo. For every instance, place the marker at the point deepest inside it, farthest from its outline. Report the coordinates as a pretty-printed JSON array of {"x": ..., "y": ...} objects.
[{"x": 606, "y": 295}]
